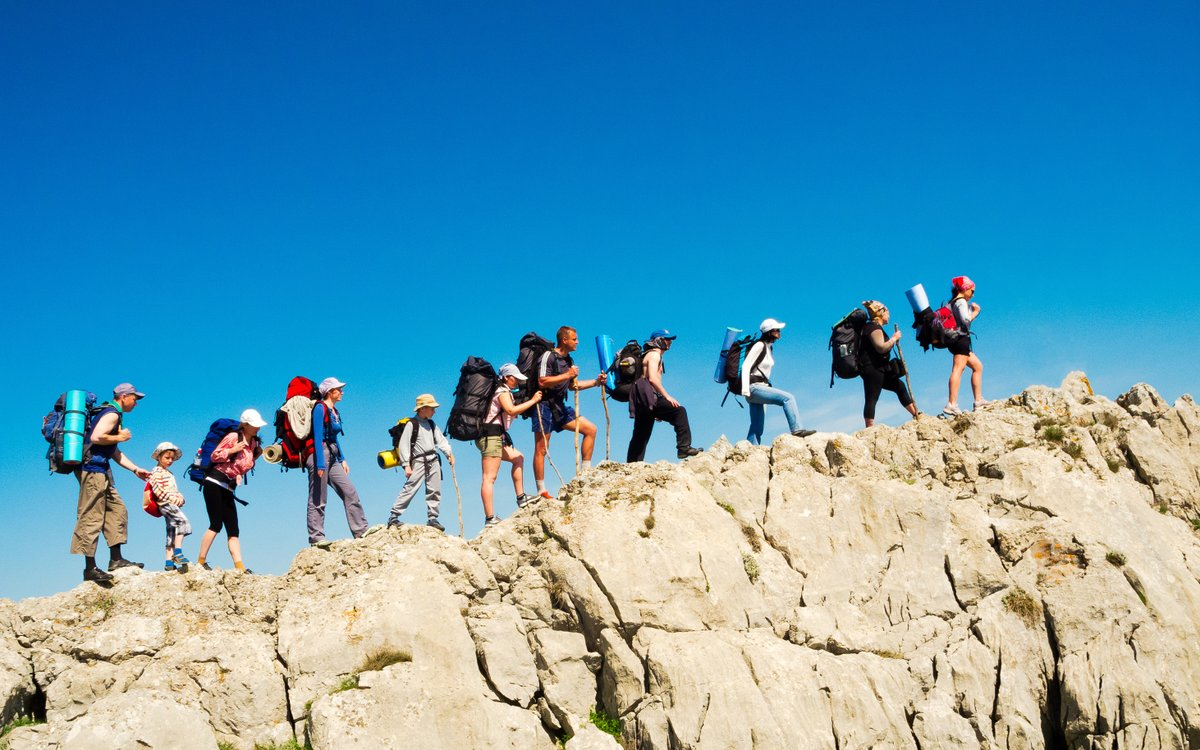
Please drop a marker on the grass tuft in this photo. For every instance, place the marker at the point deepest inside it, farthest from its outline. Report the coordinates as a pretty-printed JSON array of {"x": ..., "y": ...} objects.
[
  {"x": 384, "y": 657},
  {"x": 1053, "y": 433},
  {"x": 350, "y": 683},
  {"x": 291, "y": 744},
  {"x": 751, "y": 566},
  {"x": 727, "y": 507},
  {"x": 1074, "y": 450},
  {"x": 1023, "y": 606},
  {"x": 751, "y": 537},
  {"x": 1116, "y": 558},
  {"x": 605, "y": 723},
  {"x": 1115, "y": 464},
  {"x": 1018, "y": 443}
]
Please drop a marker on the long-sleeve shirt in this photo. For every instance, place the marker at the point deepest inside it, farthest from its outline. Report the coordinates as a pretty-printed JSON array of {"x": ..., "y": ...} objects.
[
  {"x": 962, "y": 314},
  {"x": 429, "y": 440},
  {"x": 233, "y": 464},
  {"x": 162, "y": 483},
  {"x": 757, "y": 367},
  {"x": 326, "y": 434}
]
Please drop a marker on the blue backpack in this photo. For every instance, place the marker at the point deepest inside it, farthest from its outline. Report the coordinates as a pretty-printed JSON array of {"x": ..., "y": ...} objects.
[
  {"x": 54, "y": 429},
  {"x": 198, "y": 471}
]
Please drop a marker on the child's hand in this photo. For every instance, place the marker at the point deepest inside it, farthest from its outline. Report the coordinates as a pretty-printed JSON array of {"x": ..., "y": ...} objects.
[{"x": 407, "y": 471}]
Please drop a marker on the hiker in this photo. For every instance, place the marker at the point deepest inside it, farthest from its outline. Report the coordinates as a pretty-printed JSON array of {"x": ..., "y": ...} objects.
[
  {"x": 100, "y": 509},
  {"x": 326, "y": 464},
  {"x": 649, "y": 401},
  {"x": 556, "y": 376},
  {"x": 496, "y": 445},
  {"x": 756, "y": 384},
  {"x": 878, "y": 370},
  {"x": 162, "y": 489},
  {"x": 421, "y": 462},
  {"x": 233, "y": 457},
  {"x": 961, "y": 293}
]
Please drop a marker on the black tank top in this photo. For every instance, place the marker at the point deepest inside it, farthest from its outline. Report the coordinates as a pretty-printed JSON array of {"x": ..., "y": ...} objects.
[{"x": 871, "y": 356}]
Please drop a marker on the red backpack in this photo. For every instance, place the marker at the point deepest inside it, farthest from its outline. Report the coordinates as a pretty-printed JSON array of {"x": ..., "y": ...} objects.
[{"x": 295, "y": 448}]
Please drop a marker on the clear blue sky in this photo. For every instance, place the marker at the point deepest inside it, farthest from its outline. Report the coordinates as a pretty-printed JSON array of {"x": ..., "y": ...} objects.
[{"x": 209, "y": 199}]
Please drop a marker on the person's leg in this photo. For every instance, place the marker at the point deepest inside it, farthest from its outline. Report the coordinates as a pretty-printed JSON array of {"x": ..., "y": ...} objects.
[
  {"x": 758, "y": 419},
  {"x": 487, "y": 486},
  {"x": 514, "y": 457},
  {"x": 872, "y": 380},
  {"x": 976, "y": 377},
  {"x": 212, "y": 503},
  {"x": 895, "y": 384},
  {"x": 89, "y": 516},
  {"x": 340, "y": 481},
  {"x": 678, "y": 418},
  {"x": 407, "y": 493},
  {"x": 318, "y": 491},
  {"x": 956, "y": 370},
  {"x": 587, "y": 433},
  {"x": 765, "y": 394},
  {"x": 543, "y": 424},
  {"x": 643, "y": 427},
  {"x": 229, "y": 510},
  {"x": 116, "y": 521},
  {"x": 433, "y": 486}
]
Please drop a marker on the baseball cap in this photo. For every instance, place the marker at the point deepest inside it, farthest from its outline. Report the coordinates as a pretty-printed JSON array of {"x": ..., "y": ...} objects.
[
  {"x": 328, "y": 384},
  {"x": 253, "y": 418},
  {"x": 125, "y": 389},
  {"x": 770, "y": 324},
  {"x": 661, "y": 333},
  {"x": 510, "y": 370}
]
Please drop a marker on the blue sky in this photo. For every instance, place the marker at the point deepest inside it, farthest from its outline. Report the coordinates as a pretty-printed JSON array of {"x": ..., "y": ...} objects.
[{"x": 207, "y": 200}]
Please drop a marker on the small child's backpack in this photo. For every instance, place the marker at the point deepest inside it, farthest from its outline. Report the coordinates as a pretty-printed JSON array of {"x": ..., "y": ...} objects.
[
  {"x": 846, "y": 344},
  {"x": 150, "y": 502},
  {"x": 292, "y": 443},
  {"x": 396, "y": 431},
  {"x": 628, "y": 368},
  {"x": 529, "y": 356},
  {"x": 477, "y": 384},
  {"x": 66, "y": 430},
  {"x": 199, "y": 469},
  {"x": 735, "y": 362}
]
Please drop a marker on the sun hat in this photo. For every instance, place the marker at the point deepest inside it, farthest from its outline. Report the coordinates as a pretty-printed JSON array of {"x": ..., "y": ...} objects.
[
  {"x": 328, "y": 384},
  {"x": 426, "y": 399},
  {"x": 253, "y": 418},
  {"x": 163, "y": 447},
  {"x": 962, "y": 283},
  {"x": 510, "y": 371},
  {"x": 770, "y": 324},
  {"x": 126, "y": 389}
]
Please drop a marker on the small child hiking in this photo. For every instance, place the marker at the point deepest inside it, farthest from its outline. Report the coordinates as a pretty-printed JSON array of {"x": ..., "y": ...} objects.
[
  {"x": 421, "y": 462},
  {"x": 161, "y": 488}
]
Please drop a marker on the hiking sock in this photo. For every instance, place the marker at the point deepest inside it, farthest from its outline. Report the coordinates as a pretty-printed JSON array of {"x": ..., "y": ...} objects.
[
  {"x": 240, "y": 566},
  {"x": 541, "y": 485},
  {"x": 587, "y": 464},
  {"x": 114, "y": 552},
  {"x": 89, "y": 563},
  {"x": 200, "y": 560},
  {"x": 178, "y": 551}
]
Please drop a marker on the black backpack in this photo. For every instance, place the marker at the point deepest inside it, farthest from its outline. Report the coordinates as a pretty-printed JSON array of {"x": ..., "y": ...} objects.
[
  {"x": 628, "y": 368},
  {"x": 846, "y": 344},
  {"x": 530, "y": 354},
  {"x": 477, "y": 383},
  {"x": 396, "y": 431},
  {"x": 735, "y": 362}
]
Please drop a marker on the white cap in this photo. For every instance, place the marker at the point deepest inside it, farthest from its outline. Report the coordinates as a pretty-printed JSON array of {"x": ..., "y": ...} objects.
[
  {"x": 328, "y": 384},
  {"x": 770, "y": 324},
  {"x": 510, "y": 370},
  {"x": 252, "y": 418}
]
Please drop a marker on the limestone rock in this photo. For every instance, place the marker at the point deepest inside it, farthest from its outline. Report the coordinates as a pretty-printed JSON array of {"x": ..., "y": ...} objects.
[
  {"x": 591, "y": 738},
  {"x": 16, "y": 671},
  {"x": 142, "y": 719}
]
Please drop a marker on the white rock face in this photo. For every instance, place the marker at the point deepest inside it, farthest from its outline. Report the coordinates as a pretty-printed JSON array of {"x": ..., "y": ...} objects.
[{"x": 1023, "y": 577}]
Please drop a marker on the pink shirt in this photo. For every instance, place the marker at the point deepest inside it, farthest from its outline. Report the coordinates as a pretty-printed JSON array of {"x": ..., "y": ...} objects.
[
  {"x": 496, "y": 414},
  {"x": 233, "y": 465}
]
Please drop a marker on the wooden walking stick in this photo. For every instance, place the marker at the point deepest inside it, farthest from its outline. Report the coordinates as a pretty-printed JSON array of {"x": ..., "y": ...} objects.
[
  {"x": 607, "y": 424},
  {"x": 907, "y": 379},
  {"x": 577, "y": 430},
  {"x": 454, "y": 476},
  {"x": 542, "y": 430}
]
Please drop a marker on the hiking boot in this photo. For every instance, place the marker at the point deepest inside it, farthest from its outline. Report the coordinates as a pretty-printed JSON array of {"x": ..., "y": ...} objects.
[
  {"x": 247, "y": 572},
  {"x": 525, "y": 501},
  {"x": 689, "y": 452},
  {"x": 492, "y": 521},
  {"x": 373, "y": 529},
  {"x": 393, "y": 524},
  {"x": 95, "y": 575},
  {"x": 322, "y": 544},
  {"x": 804, "y": 433},
  {"x": 952, "y": 410},
  {"x": 206, "y": 566},
  {"x": 121, "y": 562},
  {"x": 181, "y": 563},
  {"x": 169, "y": 566},
  {"x": 435, "y": 524}
]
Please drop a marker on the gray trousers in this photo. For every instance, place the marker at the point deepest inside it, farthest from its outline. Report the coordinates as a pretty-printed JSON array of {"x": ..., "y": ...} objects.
[
  {"x": 428, "y": 470},
  {"x": 318, "y": 489},
  {"x": 177, "y": 522}
]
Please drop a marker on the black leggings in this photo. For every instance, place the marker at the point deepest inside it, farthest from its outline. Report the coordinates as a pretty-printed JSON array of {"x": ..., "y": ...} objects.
[
  {"x": 643, "y": 426},
  {"x": 221, "y": 509},
  {"x": 874, "y": 383}
]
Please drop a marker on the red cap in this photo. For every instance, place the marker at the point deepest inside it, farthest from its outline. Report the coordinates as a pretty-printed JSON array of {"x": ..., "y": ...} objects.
[{"x": 962, "y": 283}]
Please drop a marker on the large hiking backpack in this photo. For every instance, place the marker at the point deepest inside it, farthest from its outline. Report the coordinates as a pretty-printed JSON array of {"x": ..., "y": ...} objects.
[
  {"x": 627, "y": 366},
  {"x": 396, "y": 432},
  {"x": 529, "y": 356},
  {"x": 61, "y": 427},
  {"x": 735, "y": 362},
  {"x": 846, "y": 343},
  {"x": 936, "y": 329},
  {"x": 295, "y": 445},
  {"x": 477, "y": 383},
  {"x": 199, "y": 469}
]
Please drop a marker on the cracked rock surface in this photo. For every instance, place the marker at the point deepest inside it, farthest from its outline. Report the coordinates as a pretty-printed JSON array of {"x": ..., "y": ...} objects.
[{"x": 1023, "y": 577}]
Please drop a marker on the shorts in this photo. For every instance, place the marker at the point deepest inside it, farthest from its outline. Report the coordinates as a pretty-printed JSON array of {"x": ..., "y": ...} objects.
[
  {"x": 492, "y": 446},
  {"x": 548, "y": 418},
  {"x": 962, "y": 346}
]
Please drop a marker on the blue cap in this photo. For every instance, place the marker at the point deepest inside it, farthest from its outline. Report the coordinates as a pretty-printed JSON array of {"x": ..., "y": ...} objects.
[{"x": 661, "y": 333}]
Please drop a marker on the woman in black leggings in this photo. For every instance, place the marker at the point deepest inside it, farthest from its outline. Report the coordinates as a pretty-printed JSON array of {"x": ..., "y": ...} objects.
[{"x": 878, "y": 371}]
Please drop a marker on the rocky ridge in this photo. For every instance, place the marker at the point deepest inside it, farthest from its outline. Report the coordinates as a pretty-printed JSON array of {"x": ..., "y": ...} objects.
[{"x": 1023, "y": 577}]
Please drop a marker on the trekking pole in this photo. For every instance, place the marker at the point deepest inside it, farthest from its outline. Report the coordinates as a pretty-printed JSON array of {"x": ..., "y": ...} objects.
[
  {"x": 907, "y": 379},
  {"x": 454, "y": 476},
  {"x": 577, "y": 430},
  {"x": 542, "y": 429},
  {"x": 607, "y": 424}
]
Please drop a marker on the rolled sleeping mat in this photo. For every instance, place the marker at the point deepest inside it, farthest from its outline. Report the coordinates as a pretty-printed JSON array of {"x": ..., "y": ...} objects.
[
  {"x": 388, "y": 459},
  {"x": 604, "y": 353},
  {"x": 74, "y": 426},
  {"x": 917, "y": 298},
  {"x": 731, "y": 335},
  {"x": 273, "y": 453}
]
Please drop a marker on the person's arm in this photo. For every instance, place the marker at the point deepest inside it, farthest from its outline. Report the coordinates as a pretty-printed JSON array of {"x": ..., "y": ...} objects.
[
  {"x": 125, "y": 463},
  {"x": 441, "y": 443},
  {"x": 753, "y": 355},
  {"x": 654, "y": 375},
  {"x": 225, "y": 448},
  {"x": 550, "y": 381},
  {"x": 583, "y": 385},
  {"x": 318, "y": 433},
  {"x": 506, "y": 403},
  {"x": 104, "y": 426},
  {"x": 881, "y": 344}
]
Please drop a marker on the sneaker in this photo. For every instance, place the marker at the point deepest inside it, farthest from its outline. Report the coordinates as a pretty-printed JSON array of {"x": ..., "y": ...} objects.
[
  {"x": 543, "y": 495},
  {"x": 804, "y": 433},
  {"x": 95, "y": 575},
  {"x": 181, "y": 563},
  {"x": 121, "y": 562},
  {"x": 491, "y": 521},
  {"x": 169, "y": 566},
  {"x": 373, "y": 529},
  {"x": 247, "y": 572},
  {"x": 435, "y": 524},
  {"x": 689, "y": 452},
  {"x": 980, "y": 404},
  {"x": 525, "y": 500},
  {"x": 206, "y": 566},
  {"x": 952, "y": 410},
  {"x": 322, "y": 544},
  {"x": 393, "y": 524}
]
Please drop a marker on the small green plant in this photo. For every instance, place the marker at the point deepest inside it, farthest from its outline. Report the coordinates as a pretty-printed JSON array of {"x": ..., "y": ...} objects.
[
  {"x": 384, "y": 657},
  {"x": 1116, "y": 558},
  {"x": 223, "y": 745},
  {"x": 648, "y": 525},
  {"x": 1196, "y": 524},
  {"x": 1018, "y": 443},
  {"x": 1074, "y": 450},
  {"x": 726, "y": 507},
  {"x": 1110, "y": 420},
  {"x": 350, "y": 683},
  {"x": 751, "y": 566},
  {"x": 20, "y": 721},
  {"x": 1114, "y": 465},
  {"x": 1162, "y": 508},
  {"x": 605, "y": 723},
  {"x": 1053, "y": 433},
  {"x": 887, "y": 653},
  {"x": 105, "y": 604},
  {"x": 291, "y": 744},
  {"x": 1023, "y": 606}
]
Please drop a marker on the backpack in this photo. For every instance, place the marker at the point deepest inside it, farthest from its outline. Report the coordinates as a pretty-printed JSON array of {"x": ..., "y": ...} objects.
[
  {"x": 397, "y": 431},
  {"x": 846, "y": 343},
  {"x": 936, "y": 329},
  {"x": 199, "y": 469},
  {"x": 150, "y": 502},
  {"x": 735, "y": 363},
  {"x": 296, "y": 447},
  {"x": 67, "y": 430},
  {"x": 628, "y": 368},
  {"x": 529, "y": 356},
  {"x": 477, "y": 384}
]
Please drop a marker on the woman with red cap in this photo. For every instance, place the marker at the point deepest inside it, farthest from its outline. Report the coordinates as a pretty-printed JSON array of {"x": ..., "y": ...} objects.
[{"x": 962, "y": 291}]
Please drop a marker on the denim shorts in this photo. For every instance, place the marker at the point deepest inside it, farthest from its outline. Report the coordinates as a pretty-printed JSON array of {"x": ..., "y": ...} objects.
[{"x": 553, "y": 417}]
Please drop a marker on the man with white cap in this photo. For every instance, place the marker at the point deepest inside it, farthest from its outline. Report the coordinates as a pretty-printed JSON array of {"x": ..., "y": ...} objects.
[
  {"x": 421, "y": 462},
  {"x": 327, "y": 466},
  {"x": 756, "y": 384},
  {"x": 100, "y": 508}
]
